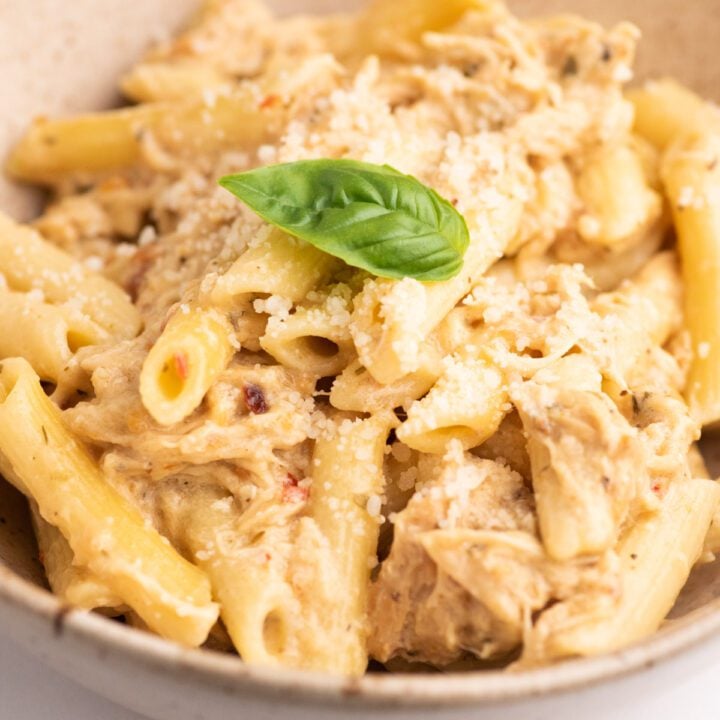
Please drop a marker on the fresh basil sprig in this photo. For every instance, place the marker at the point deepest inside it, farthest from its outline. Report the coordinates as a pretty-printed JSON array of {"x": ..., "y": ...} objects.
[{"x": 371, "y": 216}]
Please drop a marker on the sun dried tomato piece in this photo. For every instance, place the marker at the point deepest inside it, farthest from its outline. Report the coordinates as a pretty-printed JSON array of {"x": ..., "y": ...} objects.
[
  {"x": 255, "y": 400},
  {"x": 182, "y": 367},
  {"x": 292, "y": 492},
  {"x": 268, "y": 101}
]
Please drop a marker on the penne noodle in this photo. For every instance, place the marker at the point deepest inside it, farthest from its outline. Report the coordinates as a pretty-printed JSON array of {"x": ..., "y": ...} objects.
[
  {"x": 46, "y": 335},
  {"x": 173, "y": 81},
  {"x": 691, "y": 174},
  {"x": 665, "y": 111},
  {"x": 656, "y": 557},
  {"x": 106, "y": 533},
  {"x": 315, "y": 339},
  {"x": 74, "y": 584},
  {"x": 644, "y": 311},
  {"x": 467, "y": 404},
  {"x": 620, "y": 206},
  {"x": 114, "y": 140},
  {"x": 279, "y": 265},
  {"x": 345, "y": 505},
  {"x": 355, "y": 389},
  {"x": 194, "y": 348},
  {"x": 252, "y": 591},
  {"x": 29, "y": 263},
  {"x": 384, "y": 26},
  {"x": 392, "y": 318}
]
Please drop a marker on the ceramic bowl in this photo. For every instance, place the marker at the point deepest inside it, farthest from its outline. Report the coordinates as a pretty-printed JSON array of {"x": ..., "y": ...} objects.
[{"x": 58, "y": 57}]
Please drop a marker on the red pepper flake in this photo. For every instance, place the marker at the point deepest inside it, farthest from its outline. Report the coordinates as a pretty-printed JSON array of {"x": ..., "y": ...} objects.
[
  {"x": 181, "y": 365},
  {"x": 255, "y": 399},
  {"x": 268, "y": 101},
  {"x": 656, "y": 488},
  {"x": 292, "y": 492},
  {"x": 268, "y": 557}
]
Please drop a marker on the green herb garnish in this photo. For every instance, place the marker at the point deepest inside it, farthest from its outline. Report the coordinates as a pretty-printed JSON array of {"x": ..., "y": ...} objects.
[{"x": 371, "y": 216}]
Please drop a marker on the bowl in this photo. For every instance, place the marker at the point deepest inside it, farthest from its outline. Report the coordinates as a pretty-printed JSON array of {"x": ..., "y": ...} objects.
[{"x": 60, "y": 57}]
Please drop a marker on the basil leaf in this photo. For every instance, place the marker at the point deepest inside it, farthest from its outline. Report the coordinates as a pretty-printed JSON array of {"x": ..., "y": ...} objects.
[{"x": 371, "y": 216}]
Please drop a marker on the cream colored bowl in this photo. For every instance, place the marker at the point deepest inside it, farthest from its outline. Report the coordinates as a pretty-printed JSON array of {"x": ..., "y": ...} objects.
[{"x": 58, "y": 57}]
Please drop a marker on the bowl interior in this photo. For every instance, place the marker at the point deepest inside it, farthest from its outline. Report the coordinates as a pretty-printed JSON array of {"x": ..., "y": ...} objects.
[{"x": 84, "y": 47}]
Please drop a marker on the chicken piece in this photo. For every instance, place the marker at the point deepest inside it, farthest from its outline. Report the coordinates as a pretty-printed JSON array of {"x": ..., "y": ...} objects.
[
  {"x": 587, "y": 466},
  {"x": 657, "y": 409},
  {"x": 667, "y": 432},
  {"x": 461, "y": 575}
]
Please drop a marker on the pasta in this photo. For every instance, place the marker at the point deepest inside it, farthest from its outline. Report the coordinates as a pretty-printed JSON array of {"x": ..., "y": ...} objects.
[
  {"x": 138, "y": 136},
  {"x": 168, "y": 593},
  {"x": 28, "y": 263},
  {"x": 388, "y": 342},
  {"x": 45, "y": 334},
  {"x": 194, "y": 348},
  {"x": 467, "y": 403},
  {"x": 692, "y": 181},
  {"x": 430, "y": 394},
  {"x": 315, "y": 338},
  {"x": 345, "y": 507},
  {"x": 355, "y": 389},
  {"x": 248, "y": 587},
  {"x": 676, "y": 532},
  {"x": 280, "y": 265},
  {"x": 621, "y": 207},
  {"x": 76, "y": 585},
  {"x": 665, "y": 110}
]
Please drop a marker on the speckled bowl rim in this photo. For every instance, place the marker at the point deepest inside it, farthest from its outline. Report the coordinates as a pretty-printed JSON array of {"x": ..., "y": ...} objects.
[{"x": 427, "y": 690}]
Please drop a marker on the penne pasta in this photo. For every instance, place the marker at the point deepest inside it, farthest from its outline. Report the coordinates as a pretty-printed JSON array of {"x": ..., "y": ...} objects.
[
  {"x": 29, "y": 263},
  {"x": 278, "y": 265},
  {"x": 385, "y": 26},
  {"x": 106, "y": 533},
  {"x": 644, "y": 311},
  {"x": 467, "y": 404},
  {"x": 345, "y": 505},
  {"x": 357, "y": 390},
  {"x": 665, "y": 110},
  {"x": 76, "y": 585},
  {"x": 656, "y": 557},
  {"x": 392, "y": 318},
  {"x": 252, "y": 590},
  {"x": 46, "y": 335},
  {"x": 313, "y": 338},
  {"x": 691, "y": 175},
  {"x": 620, "y": 205},
  {"x": 173, "y": 81},
  {"x": 194, "y": 348},
  {"x": 118, "y": 139}
]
